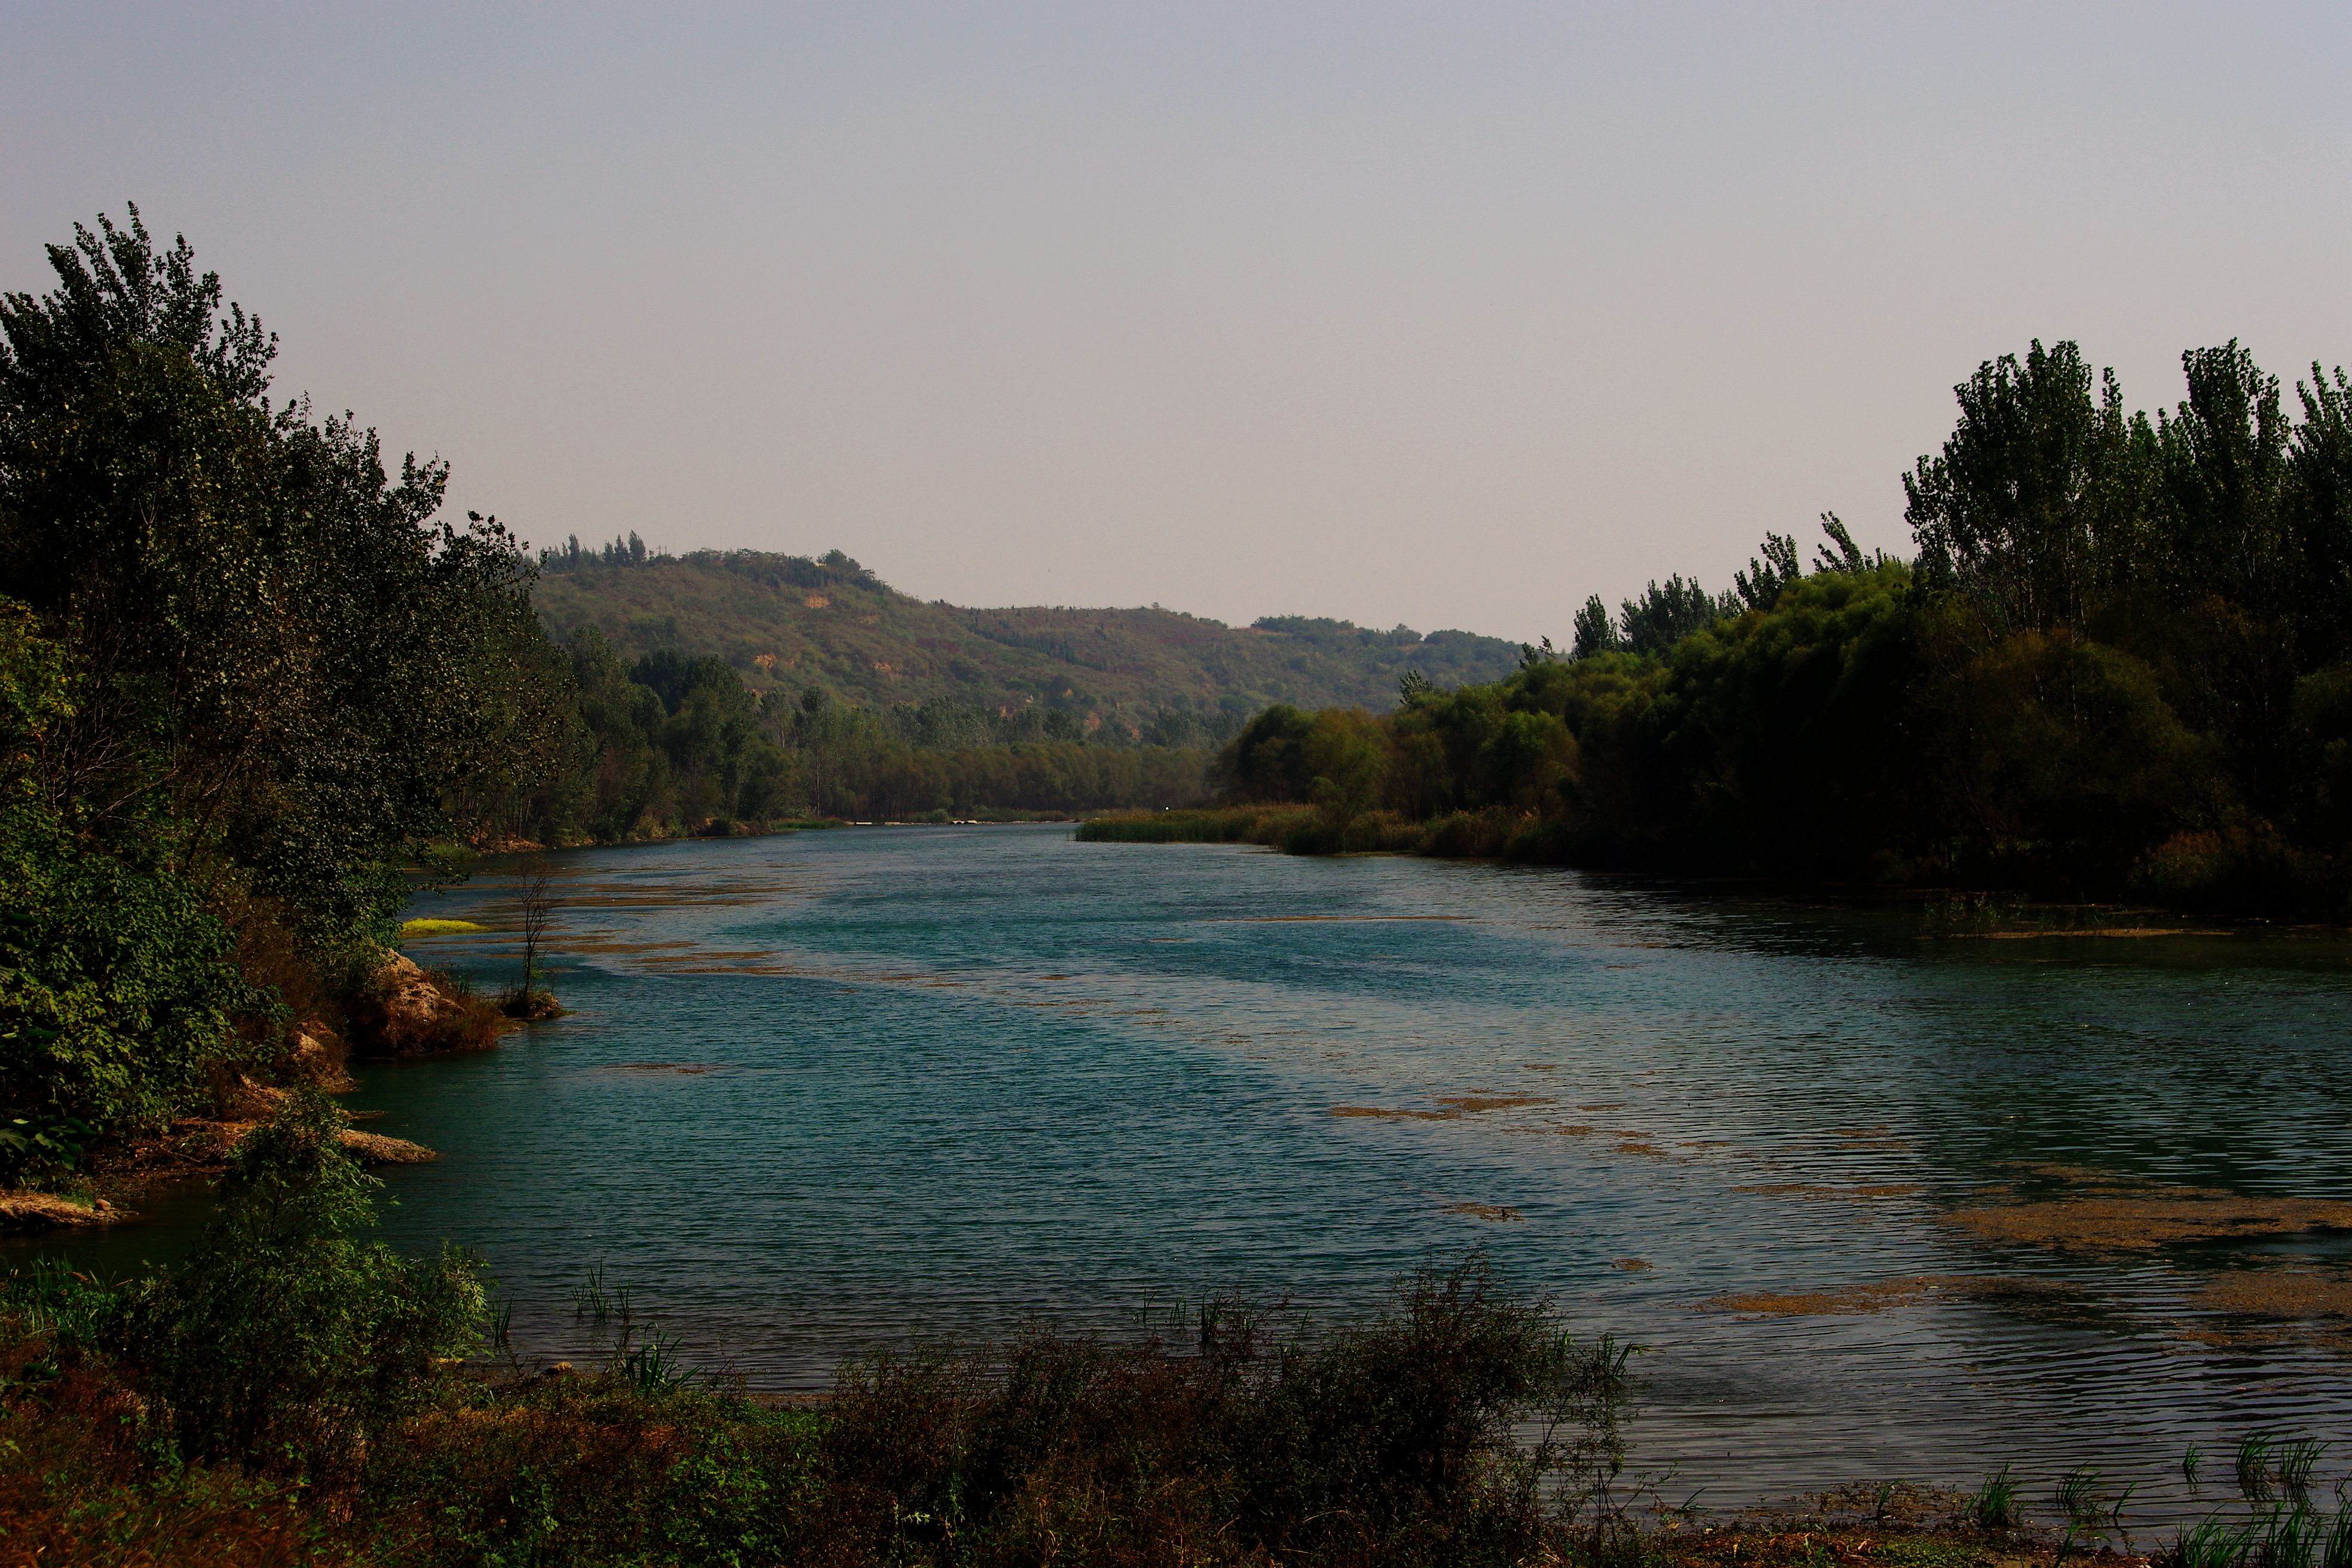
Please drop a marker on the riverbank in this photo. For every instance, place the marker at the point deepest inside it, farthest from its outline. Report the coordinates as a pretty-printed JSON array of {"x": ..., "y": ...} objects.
[
  {"x": 920, "y": 1464},
  {"x": 591, "y": 1472},
  {"x": 1522, "y": 838},
  {"x": 193, "y": 1149},
  {"x": 400, "y": 1012},
  {"x": 1241, "y": 1439}
]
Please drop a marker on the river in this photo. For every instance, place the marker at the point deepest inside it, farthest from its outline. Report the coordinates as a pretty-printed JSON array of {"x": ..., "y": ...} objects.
[{"x": 1881, "y": 1199}]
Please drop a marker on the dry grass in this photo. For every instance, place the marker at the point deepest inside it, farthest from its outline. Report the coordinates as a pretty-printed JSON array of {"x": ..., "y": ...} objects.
[
  {"x": 459, "y": 1021},
  {"x": 75, "y": 1486},
  {"x": 21, "y": 1211},
  {"x": 207, "y": 1145}
]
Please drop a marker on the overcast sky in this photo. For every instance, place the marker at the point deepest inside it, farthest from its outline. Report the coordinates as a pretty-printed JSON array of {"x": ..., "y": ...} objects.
[{"x": 1444, "y": 314}]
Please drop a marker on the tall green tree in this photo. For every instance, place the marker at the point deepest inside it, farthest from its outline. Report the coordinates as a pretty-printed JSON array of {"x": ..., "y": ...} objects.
[
  {"x": 2319, "y": 519},
  {"x": 2032, "y": 507},
  {"x": 295, "y": 665}
]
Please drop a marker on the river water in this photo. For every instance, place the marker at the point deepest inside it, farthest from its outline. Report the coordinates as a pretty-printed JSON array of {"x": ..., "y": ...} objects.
[{"x": 831, "y": 1090}]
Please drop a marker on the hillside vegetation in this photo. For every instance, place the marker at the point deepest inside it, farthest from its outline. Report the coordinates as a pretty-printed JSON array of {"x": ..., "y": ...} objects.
[{"x": 786, "y": 623}]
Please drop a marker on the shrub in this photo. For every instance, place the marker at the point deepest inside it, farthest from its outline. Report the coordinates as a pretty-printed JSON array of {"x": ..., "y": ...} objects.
[
  {"x": 2240, "y": 869},
  {"x": 118, "y": 992},
  {"x": 1465, "y": 835},
  {"x": 284, "y": 1340},
  {"x": 590, "y": 1470},
  {"x": 1390, "y": 1441}
]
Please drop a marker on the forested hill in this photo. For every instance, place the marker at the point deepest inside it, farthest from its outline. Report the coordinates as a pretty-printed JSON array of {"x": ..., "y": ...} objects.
[{"x": 788, "y": 622}]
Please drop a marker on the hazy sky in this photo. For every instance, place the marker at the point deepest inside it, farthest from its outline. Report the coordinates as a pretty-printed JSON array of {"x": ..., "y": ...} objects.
[{"x": 1447, "y": 314}]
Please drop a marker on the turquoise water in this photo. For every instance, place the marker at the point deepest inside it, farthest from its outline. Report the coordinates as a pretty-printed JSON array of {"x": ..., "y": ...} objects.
[{"x": 831, "y": 1090}]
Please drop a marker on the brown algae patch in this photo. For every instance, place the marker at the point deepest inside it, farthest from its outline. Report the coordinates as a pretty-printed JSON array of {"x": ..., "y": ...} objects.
[
  {"x": 1881, "y": 1296},
  {"x": 725, "y": 955},
  {"x": 1456, "y": 1106},
  {"x": 1844, "y": 1194},
  {"x": 600, "y": 944},
  {"x": 2141, "y": 1221},
  {"x": 688, "y": 1069},
  {"x": 1632, "y": 1265},
  {"x": 1470, "y": 1104},
  {"x": 1332, "y": 920},
  {"x": 1492, "y": 1212},
  {"x": 656, "y": 900},
  {"x": 2284, "y": 1294}
]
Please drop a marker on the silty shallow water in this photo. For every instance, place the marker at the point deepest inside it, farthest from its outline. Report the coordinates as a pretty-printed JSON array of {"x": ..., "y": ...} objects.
[{"x": 832, "y": 1090}]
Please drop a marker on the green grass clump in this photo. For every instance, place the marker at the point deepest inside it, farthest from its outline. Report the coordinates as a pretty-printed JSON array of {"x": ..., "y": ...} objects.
[
  {"x": 438, "y": 928},
  {"x": 1996, "y": 1506}
]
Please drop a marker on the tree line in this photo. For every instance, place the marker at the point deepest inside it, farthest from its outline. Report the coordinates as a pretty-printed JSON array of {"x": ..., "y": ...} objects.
[{"x": 2118, "y": 665}]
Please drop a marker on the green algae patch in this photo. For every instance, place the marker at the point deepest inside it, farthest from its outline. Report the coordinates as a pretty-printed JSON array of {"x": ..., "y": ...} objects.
[{"x": 439, "y": 928}]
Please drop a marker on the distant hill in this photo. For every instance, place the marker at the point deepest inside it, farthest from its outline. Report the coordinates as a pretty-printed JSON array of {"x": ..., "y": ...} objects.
[{"x": 789, "y": 622}]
